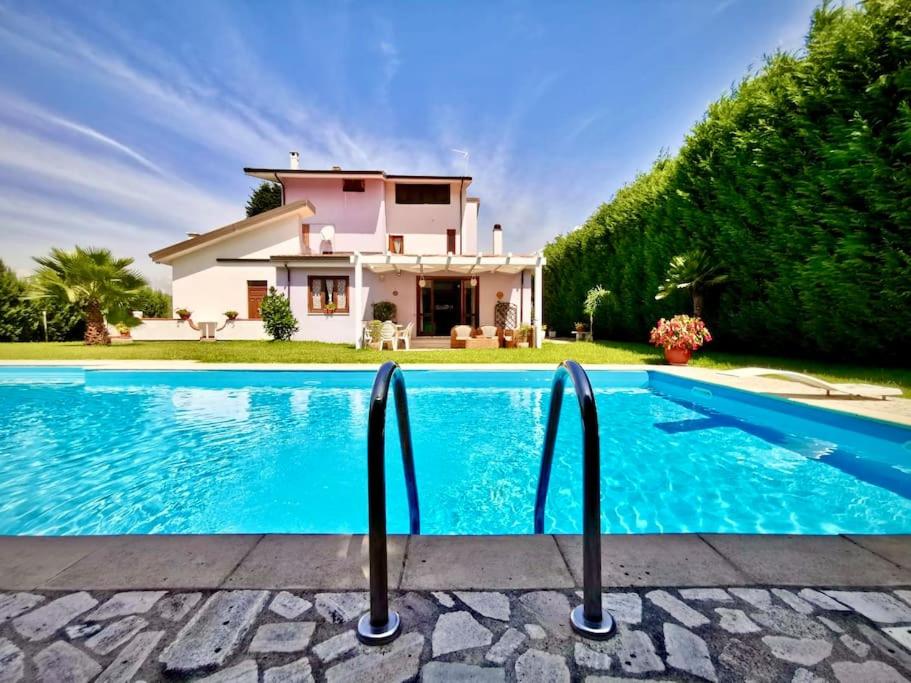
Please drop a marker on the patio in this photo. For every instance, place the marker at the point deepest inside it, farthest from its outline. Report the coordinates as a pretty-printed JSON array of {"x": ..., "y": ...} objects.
[{"x": 710, "y": 607}]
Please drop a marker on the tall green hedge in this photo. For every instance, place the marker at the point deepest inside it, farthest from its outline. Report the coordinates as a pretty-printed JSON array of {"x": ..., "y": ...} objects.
[{"x": 798, "y": 182}]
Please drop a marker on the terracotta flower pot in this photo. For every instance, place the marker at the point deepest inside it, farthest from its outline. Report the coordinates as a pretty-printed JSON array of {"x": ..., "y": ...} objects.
[
  {"x": 184, "y": 316},
  {"x": 677, "y": 356}
]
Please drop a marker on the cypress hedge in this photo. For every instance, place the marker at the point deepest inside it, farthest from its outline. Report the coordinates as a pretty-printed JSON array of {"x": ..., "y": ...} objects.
[{"x": 797, "y": 182}]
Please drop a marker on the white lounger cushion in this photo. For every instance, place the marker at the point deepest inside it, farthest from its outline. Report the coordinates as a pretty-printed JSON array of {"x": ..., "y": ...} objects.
[{"x": 863, "y": 390}]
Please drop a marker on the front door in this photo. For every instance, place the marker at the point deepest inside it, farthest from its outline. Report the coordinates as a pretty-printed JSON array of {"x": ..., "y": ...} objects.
[{"x": 444, "y": 303}]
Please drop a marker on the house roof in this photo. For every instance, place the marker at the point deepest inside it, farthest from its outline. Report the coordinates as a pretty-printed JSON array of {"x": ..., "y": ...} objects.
[
  {"x": 273, "y": 174},
  {"x": 302, "y": 207}
]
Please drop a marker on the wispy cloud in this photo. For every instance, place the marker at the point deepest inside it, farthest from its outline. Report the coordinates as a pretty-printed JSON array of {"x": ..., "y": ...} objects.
[
  {"x": 89, "y": 183},
  {"x": 16, "y": 107}
]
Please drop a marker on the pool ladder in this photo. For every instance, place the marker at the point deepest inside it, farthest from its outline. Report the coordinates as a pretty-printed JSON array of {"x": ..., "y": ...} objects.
[{"x": 382, "y": 625}]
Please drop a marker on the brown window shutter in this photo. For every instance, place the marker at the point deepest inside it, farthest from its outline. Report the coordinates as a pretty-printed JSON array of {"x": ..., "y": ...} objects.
[{"x": 451, "y": 241}]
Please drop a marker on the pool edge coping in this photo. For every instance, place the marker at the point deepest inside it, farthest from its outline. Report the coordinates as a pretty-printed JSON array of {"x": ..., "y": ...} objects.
[
  {"x": 520, "y": 562},
  {"x": 880, "y": 410}
]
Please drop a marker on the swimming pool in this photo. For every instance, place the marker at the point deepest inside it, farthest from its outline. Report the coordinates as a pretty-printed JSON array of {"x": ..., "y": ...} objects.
[{"x": 86, "y": 451}]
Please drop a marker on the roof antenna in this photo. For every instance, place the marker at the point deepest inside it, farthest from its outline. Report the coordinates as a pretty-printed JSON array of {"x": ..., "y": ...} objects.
[{"x": 465, "y": 155}]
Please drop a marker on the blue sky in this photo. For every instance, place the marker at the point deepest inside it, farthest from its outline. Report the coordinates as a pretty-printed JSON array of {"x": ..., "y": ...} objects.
[{"x": 127, "y": 124}]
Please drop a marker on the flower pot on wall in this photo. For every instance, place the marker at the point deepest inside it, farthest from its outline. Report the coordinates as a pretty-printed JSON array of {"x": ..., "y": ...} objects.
[{"x": 677, "y": 356}]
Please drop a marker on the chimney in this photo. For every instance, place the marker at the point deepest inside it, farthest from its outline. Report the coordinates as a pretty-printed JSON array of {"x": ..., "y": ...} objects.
[
  {"x": 336, "y": 168},
  {"x": 497, "y": 240},
  {"x": 295, "y": 161}
]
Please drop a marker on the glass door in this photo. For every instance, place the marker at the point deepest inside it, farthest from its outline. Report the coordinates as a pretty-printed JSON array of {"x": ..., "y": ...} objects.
[{"x": 444, "y": 303}]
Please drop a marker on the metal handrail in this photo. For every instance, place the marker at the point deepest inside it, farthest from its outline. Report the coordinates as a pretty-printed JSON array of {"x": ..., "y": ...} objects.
[
  {"x": 588, "y": 619},
  {"x": 381, "y": 625}
]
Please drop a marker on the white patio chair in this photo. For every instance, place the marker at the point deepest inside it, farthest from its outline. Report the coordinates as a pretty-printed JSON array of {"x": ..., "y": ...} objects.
[
  {"x": 489, "y": 331},
  {"x": 405, "y": 335},
  {"x": 388, "y": 335}
]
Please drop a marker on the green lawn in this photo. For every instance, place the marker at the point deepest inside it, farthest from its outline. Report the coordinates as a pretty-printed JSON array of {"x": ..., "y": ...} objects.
[{"x": 551, "y": 354}]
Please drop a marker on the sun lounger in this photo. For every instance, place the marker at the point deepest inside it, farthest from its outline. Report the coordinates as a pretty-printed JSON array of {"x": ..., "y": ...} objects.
[{"x": 859, "y": 390}]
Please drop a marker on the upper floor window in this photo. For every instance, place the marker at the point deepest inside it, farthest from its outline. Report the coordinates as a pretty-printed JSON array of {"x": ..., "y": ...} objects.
[
  {"x": 397, "y": 244},
  {"x": 353, "y": 185},
  {"x": 421, "y": 193}
]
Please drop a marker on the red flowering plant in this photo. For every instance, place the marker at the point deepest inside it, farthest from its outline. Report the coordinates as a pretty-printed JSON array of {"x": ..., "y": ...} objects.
[{"x": 680, "y": 332}]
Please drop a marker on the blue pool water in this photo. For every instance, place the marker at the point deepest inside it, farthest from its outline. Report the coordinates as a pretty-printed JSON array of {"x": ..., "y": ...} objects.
[{"x": 111, "y": 452}]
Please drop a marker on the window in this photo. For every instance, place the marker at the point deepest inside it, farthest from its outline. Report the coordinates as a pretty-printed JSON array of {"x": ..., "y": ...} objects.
[
  {"x": 451, "y": 241},
  {"x": 353, "y": 185},
  {"x": 397, "y": 244},
  {"x": 256, "y": 292},
  {"x": 421, "y": 193},
  {"x": 326, "y": 290}
]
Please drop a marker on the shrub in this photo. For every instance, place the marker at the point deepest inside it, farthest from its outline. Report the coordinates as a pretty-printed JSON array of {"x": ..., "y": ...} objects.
[
  {"x": 278, "y": 319},
  {"x": 797, "y": 182},
  {"x": 384, "y": 310}
]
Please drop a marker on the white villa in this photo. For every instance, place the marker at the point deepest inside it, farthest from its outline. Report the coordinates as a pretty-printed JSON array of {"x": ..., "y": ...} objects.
[{"x": 352, "y": 239}]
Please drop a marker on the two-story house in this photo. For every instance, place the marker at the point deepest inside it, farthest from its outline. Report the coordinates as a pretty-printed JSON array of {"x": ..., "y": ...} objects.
[{"x": 343, "y": 241}]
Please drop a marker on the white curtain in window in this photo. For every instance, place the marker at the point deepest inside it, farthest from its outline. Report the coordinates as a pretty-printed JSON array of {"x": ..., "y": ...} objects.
[
  {"x": 341, "y": 297},
  {"x": 316, "y": 287}
]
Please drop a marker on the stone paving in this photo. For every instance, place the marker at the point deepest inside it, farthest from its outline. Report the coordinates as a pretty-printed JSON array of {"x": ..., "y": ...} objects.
[{"x": 245, "y": 636}]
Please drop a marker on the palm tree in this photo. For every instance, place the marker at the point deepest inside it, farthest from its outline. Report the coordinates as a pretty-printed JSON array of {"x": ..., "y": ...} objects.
[
  {"x": 99, "y": 284},
  {"x": 693, "y": 271}
]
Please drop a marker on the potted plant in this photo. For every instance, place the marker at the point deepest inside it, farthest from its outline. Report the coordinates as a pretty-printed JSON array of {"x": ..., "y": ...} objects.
[
  {"x": 183, "y": 313},
  {"x": 123, "y": 329},
  {"x": 580, "y": 327},
  {"x": 231, "y": 315},
  {"x": 374, "y": 328},
  {"x": 330, "y": 308},
  {"x": 523, "y": 333},
  {"x": 384, "y": 310},
  {"x": 679, "y": 337}
]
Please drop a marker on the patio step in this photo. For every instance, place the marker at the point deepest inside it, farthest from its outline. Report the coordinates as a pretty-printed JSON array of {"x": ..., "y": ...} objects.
[{"x": 430, "y": 342}]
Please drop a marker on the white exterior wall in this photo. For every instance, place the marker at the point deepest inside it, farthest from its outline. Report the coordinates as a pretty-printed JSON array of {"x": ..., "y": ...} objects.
[
  {"x": 163, "y": 329},
  {"x": 209, "y": 288},
  {"x": 490, "y": 284},
  {"x": 424, "y": 226},
  {"x": 470, "y": 228},
  {"x": 338, "y": 327},
  {"x": 359, "y": 217}
]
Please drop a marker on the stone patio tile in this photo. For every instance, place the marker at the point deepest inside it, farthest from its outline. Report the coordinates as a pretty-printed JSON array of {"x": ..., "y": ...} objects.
[
  {"x": 456, "y": 672},
  {"x": 654, "y": 560},
  {"x": 392, "y": 663},
  {"x": 12, "y": 662},
  {"x": 28, "y": 562},
  {"x": 806, "y": 561},
  {"x": 314, "y": 562},
  {"x": 484, "y": 562},
  {"x": 290, "y": 636},
  {"x": 61, "y": 661},
  {"x": 131, "y": 658},
  {"x": 895, "y": 548},
  {"x": 123, "y": 604},
  {"x": 456, "y": 631},
  {"x": 214, "y": 632},
  {"x": 42, "y": 623},
  {"x": 150, "y": 562}
]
